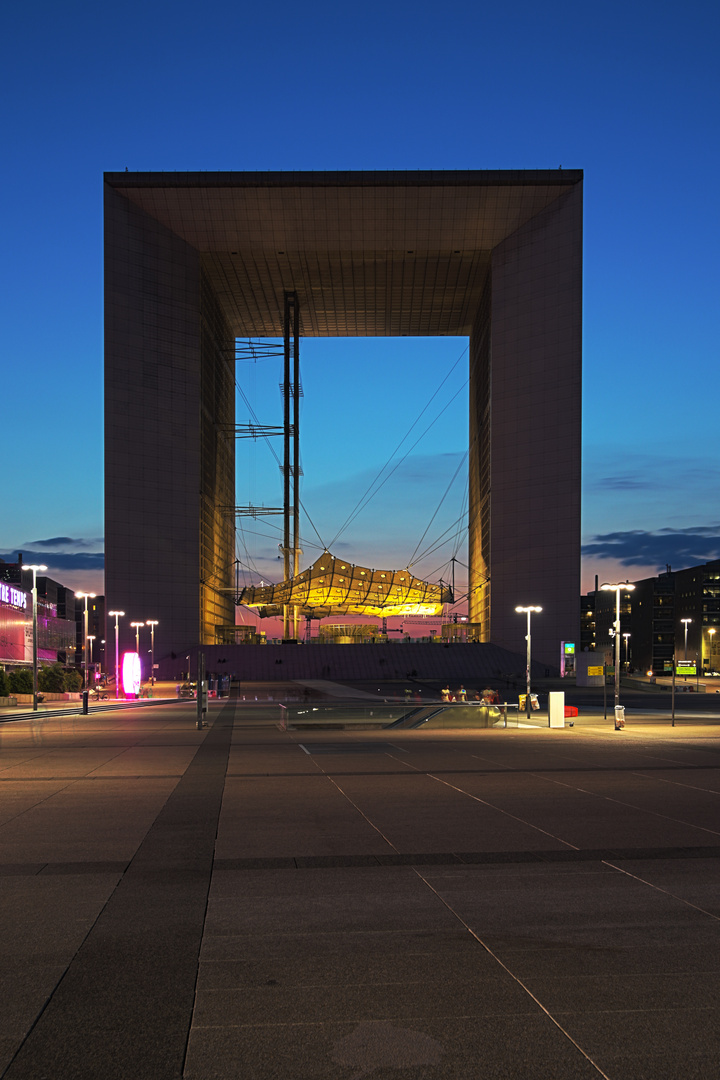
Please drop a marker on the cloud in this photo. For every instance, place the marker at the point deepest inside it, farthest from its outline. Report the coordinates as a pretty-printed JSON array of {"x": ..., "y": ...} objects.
[
  {"x": 638, "y": 547},
  {"x": 63, "y": 542},
  {"x": 64, "y": 560},
  {"x": 622, "y": 483}
]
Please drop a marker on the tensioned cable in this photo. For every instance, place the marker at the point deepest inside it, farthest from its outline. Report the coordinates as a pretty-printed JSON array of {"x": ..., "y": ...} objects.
[
  {"x": 460, "y": 531},
  {"x": 399, "y": 463},
  {"x": 271, "y": 448},
  {"x": 362, "y": 501},
  {"x": 303, "y": 540},
  {"x": 439, "y": 542},
  {"x": 439, "y": 506}
]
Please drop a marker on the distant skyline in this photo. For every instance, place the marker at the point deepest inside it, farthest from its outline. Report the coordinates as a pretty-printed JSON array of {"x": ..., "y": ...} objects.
[{"x": 629, "y": 93}]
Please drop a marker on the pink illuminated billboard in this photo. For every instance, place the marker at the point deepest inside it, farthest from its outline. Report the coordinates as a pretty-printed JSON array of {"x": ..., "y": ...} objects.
[{"x": 131, "y": 674}]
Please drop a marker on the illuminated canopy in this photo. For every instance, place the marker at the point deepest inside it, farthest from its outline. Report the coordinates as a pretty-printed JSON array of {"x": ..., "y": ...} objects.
[{"x": 331, "y": 586}]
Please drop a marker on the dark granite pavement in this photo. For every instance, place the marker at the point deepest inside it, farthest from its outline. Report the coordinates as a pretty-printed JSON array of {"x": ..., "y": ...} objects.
[{"x": 250, "y": 902}]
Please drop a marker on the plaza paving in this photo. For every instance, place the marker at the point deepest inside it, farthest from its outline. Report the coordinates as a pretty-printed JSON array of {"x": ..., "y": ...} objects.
[{"x": 249, "y": 902}]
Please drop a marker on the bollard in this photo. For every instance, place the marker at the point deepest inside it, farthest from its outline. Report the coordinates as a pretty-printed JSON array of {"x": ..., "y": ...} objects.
[{"x": 85, "y": 702}]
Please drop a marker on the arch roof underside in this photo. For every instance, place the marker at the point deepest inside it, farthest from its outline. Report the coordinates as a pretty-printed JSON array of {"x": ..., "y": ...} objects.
[{"x": 369, "y": 254}]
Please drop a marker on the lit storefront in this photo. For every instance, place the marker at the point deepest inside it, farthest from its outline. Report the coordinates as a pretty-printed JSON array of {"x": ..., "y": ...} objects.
[
  {"x": 15, "y": 625},
  {"x": 56, "y": 635}
]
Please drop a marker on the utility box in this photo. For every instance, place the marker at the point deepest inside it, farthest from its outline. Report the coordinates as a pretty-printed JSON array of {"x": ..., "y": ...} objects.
[{"x": 556, "y": 708}]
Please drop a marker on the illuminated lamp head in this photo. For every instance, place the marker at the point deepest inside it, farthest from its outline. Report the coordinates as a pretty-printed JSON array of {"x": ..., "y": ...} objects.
[{"x": 131, "y": 674}]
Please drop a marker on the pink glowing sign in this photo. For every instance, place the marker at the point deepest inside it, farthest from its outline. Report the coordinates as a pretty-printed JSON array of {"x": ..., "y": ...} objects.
[
  {"x": 12, "y": 596},
  {"x": 131, "y": 674}
]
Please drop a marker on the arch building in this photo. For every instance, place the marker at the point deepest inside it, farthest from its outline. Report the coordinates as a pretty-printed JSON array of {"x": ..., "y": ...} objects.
[{"x": 195, "y": 260}]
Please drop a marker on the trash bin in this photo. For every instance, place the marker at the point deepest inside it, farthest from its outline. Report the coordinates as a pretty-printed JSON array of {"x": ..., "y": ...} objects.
[{"x": 619, "y": 717}]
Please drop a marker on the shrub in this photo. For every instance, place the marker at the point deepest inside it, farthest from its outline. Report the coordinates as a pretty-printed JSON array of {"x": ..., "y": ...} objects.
[
  {"x": 4, "y": 687},
  {"x": 51, "y": 679},
  {"x": 21, "y": 681},
  {"x": 73, "y": 681}
]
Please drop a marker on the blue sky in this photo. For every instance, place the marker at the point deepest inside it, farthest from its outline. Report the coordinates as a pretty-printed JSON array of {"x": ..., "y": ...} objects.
[{"x": 626, "y": 91}]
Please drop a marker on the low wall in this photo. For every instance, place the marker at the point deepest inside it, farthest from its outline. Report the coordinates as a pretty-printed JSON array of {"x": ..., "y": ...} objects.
[
  {"x": 358, "y": 663},
  {"x": 26, "y": 699}
]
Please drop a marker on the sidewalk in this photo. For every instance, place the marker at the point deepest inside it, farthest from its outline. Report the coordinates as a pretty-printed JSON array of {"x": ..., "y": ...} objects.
[{"x": 246, "y": 902}]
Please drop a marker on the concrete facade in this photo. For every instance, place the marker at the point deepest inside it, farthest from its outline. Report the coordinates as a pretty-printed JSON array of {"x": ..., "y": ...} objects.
[{"x": 196, "y": 260}]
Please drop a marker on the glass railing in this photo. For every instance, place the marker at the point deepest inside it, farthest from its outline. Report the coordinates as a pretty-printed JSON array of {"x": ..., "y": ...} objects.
[{"x": 439, "y": 716}]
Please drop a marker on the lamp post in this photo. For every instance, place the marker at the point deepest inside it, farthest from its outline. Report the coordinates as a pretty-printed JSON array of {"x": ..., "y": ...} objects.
[
  {"x": 622, "y": 586},
  {"x": 117, "y": 615},
  {"x": 685, "y": 623},
  {"x": 711, "y": 632},
  {"x": 529, "y": 610},
  {"x": 152, "y": 623},
  {"x": 91, "y": 638},
  {"x": 86, "y": 596},
  {"x": 34, "y": 568},
  {"x": 626, "y": 635}
]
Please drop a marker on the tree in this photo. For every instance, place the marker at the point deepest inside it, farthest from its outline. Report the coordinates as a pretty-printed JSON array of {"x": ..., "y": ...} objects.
[
  {"x": 4, "y": 687},
  {"x": 21, "y": 681},
  {"x": 73, "y": 681},
  {"x": 51, "y": 679}
]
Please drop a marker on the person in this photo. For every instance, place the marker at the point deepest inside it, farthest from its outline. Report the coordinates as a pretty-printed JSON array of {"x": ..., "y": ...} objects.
[
  {"x": 461, "y": 693},
  {"x": 446, "y": 694}
]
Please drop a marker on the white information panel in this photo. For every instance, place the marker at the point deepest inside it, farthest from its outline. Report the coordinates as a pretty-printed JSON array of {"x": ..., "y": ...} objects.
[{"x": 556, "y": 708}]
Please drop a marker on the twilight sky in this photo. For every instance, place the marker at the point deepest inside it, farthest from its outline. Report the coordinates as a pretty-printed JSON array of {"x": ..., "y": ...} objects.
[{"x": 626, "y": 91}]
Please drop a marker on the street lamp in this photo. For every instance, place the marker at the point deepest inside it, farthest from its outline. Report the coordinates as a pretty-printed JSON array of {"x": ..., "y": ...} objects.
[
  {"x": 152, "y": 623},
  {"x": 117, "y": 615},
  {"x": 622, "y": 586},
  {"x": 86, "y": 596},
  {"x": 626, "y": 635},
  {"x": 137, "y": 626},
  {"x": 711, "y": 631},
  {"x": 529, "y": 610},
  {"x": 91, "y": 638},
  {"x": 34, "y": 568},
  {"x": 686, "y": 621}
]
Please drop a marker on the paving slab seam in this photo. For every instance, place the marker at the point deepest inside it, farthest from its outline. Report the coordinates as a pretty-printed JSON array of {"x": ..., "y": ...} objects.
[
  {"x": 628, "y": 805},
  {"x": 666, "y": 892},
  {"x": 356, "y": 807},
  {"x": 513, "y": 976},
  {"x": 484, "y": 802},
  {"x": 678, "y": 783},
  {"x": 465, "y": 858},
  {"x": 498, "y": 771},
  {"x": 123, "y": 1006}
]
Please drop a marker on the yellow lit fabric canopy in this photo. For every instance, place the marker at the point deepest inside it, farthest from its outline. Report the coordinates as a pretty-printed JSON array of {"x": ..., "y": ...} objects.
[{"x": 331, "y": 586}]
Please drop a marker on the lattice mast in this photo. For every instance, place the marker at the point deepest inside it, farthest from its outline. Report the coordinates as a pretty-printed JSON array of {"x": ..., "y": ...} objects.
[{"x": 291, "y": 459}]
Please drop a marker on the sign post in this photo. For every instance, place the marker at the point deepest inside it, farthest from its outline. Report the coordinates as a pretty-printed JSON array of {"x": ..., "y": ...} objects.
[
  {"x": 672, "y": 696},
  {"x": 201, "y": 693}
]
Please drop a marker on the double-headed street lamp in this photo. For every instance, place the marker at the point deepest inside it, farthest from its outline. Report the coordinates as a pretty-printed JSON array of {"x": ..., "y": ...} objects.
[
  {"x": 35, "y": 567},
  {"x": 529, "y": 611},
  {"x": 685, "y": 623},
  {"x": 622, "y": 586},
  {"x": 152, "y": 623},
  {"x": 86, "y": 596},
  {"x": 117, "y": 615},
  {"x": 91, "y": 638}
]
